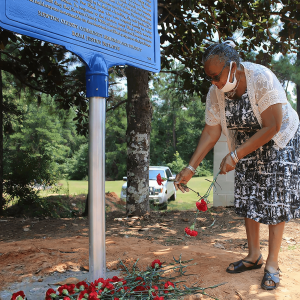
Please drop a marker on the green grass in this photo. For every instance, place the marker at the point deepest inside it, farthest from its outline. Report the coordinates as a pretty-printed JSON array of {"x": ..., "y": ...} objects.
[{"x": 184, "y": 201}]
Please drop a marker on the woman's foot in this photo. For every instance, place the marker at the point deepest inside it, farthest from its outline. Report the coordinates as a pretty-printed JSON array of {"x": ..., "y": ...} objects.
[
  {"x": 271, "y": 279},
  {"x": 245, "y": 265}
]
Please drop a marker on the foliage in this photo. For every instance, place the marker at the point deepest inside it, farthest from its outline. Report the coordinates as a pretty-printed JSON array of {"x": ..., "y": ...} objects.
[
  {"x": 204, "y": 169},
  {"x": 115, "y": 140},
  {"x": 76, "y": 167},
  {"x": 176, "y": 165},
  {"x": 44, "y": 68},
  {"x": 174, "y": 126},
  {"x": 35, "y": 150}
]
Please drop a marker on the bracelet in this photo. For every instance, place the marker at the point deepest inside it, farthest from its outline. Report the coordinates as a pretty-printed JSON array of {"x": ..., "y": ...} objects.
[
  {"x": 234, "y": 156},
  {"x": 191, "y": 168}
]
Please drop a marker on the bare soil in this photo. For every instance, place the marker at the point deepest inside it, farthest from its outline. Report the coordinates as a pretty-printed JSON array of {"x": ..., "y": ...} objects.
[{"x": 33, "y": 247}]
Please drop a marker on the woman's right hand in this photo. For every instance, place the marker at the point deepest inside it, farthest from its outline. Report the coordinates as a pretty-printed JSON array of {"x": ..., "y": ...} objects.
[{"x": 182, "y": 179}]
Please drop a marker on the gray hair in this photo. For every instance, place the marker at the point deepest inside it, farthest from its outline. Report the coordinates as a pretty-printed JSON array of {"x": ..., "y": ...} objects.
[{"x": 225, "y": 51}]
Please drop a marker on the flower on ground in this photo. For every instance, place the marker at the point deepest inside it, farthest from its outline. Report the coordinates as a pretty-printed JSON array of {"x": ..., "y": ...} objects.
[
  {"x": 202, "y": 205},
  {"x": 190, "y": 232},
  {"x": 66, "y": 289},
  {"x": 159, "y": 180},
  {"x": 155, "y": 290},
  {"x": 93, "y": 296},
  {"x": 156, "y": 264},
  {"x": 51, "y": 293},
  {"x": 158, "y": 298},
  {"x": 18, "y": 295},
  {"x": 169, "y": 286},
  {"x": 83, "y": 295},
  {"x": 139, "y": 288},
  {"x": 140, "y": 279},
  {"x": 82, "y": 285}
]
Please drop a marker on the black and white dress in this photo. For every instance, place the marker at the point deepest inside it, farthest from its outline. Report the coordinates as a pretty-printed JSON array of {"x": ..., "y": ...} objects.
[{"x": 267, "y": 181}]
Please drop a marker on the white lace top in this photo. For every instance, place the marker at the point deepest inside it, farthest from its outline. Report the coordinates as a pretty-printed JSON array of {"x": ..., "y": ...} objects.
[{"x": 264, "y": 90}]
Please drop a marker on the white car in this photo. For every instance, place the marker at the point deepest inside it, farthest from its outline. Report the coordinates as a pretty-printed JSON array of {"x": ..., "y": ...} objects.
[{"x": 158, "y": 194}]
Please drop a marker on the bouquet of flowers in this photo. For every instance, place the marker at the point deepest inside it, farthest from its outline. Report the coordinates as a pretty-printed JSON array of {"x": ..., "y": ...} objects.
[
  {"x": 152, "y": 284},
  {"x": 201, "y": 204}
]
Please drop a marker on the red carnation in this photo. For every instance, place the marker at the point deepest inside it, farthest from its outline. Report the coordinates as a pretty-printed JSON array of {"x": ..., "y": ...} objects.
[
  {"x": 140, "y": 279},
  {"x": 82, "y": 294},
  {"x": 155, "y": 288},
  {"x": 66, "y": 298},
  {"x": 158, "y": 298},
  {"x": 139, "y": 288},
  {"x": 49, "y": 294},
  {"x": 82, "y": 285},
  {"x": 202, "y": 205},
  {"x": 123, "y": 289},
  {"x": 156, "y": 264},
  {"x": 93, "y": 296},
  {"x": 17, "y": 294},
  {"x": 169, "y": 286},
  {"x": 66, "y": 289},
  {"x": 159, "y": 180},
  {"x": 190, "y": 232}
]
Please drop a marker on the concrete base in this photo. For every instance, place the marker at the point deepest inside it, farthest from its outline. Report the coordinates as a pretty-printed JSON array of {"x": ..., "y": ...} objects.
[{"x": 224, "y": 190}]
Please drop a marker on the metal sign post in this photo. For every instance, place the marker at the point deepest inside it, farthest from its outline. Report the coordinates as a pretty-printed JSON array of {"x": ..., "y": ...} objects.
[
  {"x": 97, "y": 91},
  {"x": 125, "y": 33}
]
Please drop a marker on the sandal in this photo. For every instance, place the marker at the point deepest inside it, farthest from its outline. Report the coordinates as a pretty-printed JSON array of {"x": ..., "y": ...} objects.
[
  {"x": 268, "y": 276},
  {"x": 239, "y": 267}
]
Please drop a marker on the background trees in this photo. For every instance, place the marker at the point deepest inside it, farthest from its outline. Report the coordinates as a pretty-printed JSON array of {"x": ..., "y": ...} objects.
[{"x": 186, "y": 27}]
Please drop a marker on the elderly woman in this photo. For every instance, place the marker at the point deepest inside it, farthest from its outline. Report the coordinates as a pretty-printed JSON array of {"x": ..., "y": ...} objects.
[{"x": 248, "y": 104}]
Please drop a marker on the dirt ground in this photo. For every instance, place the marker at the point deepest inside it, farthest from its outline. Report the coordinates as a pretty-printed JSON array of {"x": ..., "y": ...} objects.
[{"x": 38, "y": 247}]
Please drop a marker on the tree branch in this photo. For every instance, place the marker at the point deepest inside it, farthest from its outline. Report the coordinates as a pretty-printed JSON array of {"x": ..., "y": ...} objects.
[{"x": 117, "y": 105}]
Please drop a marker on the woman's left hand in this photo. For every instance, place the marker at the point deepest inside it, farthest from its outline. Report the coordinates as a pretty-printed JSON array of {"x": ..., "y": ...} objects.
[{"x": 227, "y": 164}]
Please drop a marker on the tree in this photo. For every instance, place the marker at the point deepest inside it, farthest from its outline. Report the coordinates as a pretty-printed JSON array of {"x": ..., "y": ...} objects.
[
  {"x": 34, "y": 151},
  {"x": 178, "y": 120},
  {"x": 44, "y": 69},
  {"x": 139, "y": 113}
]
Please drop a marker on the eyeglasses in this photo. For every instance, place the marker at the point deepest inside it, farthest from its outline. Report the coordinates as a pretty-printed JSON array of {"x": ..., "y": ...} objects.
[{"x": 217, "y": 77}]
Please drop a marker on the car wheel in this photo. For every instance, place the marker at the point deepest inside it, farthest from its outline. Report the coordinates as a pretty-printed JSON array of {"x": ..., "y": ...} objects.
[
  {"x": 163, "y": 206},
  {"x": 173, "y": 197}
]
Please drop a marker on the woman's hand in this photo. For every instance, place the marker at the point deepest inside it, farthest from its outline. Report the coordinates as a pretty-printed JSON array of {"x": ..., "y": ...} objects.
[
  {"x": 182, "y": 178},
  {"x": 227, "y": 164}
]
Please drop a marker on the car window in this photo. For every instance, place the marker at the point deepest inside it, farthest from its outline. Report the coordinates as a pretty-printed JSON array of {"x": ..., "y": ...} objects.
[
  {"x": 154, "y": 173},
  {"x": 169, "y": 174}
]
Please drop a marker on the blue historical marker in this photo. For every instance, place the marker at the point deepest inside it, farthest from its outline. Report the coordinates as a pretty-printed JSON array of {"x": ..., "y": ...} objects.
[
  {"x": 104, "y": 33},
  {"x": 123, "y": 31}
]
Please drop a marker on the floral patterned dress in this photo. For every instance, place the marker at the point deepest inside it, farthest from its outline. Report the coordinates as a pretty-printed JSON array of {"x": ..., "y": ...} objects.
[{"x": 267, "y": 181}]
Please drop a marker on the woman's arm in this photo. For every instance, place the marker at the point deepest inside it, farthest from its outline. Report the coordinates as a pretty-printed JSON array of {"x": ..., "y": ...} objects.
[
  {"x": 210, "y": 135},
  {"x": 271, "y": 124}
]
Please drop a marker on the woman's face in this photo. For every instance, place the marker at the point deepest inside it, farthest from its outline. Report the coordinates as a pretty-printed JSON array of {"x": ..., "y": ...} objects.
[{"x": 214, "y": 67}]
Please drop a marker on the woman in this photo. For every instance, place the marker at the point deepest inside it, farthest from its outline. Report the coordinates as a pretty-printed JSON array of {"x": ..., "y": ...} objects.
[{"x": 248, "y": 104}]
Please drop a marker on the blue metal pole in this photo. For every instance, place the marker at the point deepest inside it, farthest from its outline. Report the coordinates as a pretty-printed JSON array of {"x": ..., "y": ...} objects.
[{"x": 97, "y": 91}]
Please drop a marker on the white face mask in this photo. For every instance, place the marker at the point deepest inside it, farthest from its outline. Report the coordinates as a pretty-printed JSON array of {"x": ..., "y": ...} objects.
[{"x": 229, "y": 86}]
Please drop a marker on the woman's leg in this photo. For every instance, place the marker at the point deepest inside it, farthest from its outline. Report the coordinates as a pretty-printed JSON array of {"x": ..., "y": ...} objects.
[
  {"x": 252, "y": 230},
  {"x": 275, "y": 238}
]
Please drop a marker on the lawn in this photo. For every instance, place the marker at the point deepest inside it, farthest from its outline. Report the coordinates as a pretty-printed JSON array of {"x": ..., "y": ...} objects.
[{"x": 183, "y": 201}]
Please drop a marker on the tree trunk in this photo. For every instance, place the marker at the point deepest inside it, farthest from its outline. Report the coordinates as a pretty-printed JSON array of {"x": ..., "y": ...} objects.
[
  {"x": 298, "y": 86},
  {"x": 174, "y": 130},
  {"x": 139, "y": 113},
  {"x": 1, "y": 143}
]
